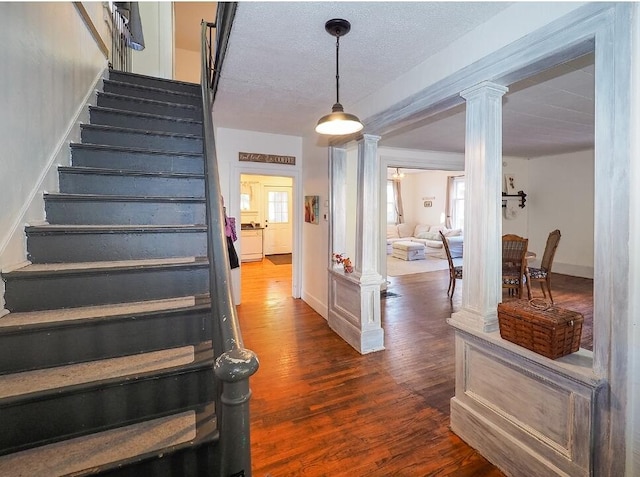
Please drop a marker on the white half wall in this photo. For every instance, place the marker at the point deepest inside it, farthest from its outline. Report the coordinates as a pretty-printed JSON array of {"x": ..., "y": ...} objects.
[{"x": 50, "y": 65}]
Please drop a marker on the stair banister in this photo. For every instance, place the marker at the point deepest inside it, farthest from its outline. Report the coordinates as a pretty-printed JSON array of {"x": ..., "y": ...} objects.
[{"x": 234, "y": 364}]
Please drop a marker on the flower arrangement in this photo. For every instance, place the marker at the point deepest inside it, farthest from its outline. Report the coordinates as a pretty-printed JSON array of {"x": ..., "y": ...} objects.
[{"x": 345, "y": 261}]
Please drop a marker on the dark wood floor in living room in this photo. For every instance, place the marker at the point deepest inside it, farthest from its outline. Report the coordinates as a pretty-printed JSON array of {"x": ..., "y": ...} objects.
[{"x": 319, "y": 408}]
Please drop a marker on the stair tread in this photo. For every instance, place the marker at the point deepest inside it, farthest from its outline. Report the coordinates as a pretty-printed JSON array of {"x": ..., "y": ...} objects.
[
  {"x": 103, "y": 448},
  {"x": 29, "y": 318},
  {"x": 120, "y": 198},
  {"x": 62, "y": 228},
  {"x": 151, "y": 88},
  {"x": 155, "y": 78},
  {"x": 39, "y": 380},
  {"x": 120, "y": 129},
  {"x": 139, "y": 150},
  {"x": 125, "y": 112},
  {"x": 35, "y": 268},
  {"x": 127, "y": 172},
  {"x": 149, "y": 101}
]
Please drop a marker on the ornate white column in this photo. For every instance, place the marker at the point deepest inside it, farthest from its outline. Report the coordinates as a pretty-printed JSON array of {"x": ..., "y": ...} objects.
[
  {"x": 337, "y": 199},
  {"x": 482, "y": 260},
  {"x": 354, "y": 298},
  {"x": 368, "y": 242}
]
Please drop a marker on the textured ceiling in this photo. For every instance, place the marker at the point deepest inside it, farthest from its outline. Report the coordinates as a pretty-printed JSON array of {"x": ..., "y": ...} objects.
[{"x": 279, "y": 73}]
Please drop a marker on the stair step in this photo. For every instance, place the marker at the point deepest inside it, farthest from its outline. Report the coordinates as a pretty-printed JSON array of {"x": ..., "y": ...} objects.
[
  {"x": 98, "y": 449},
  {"x": 113, "y": 136},
  {"x": 144, "y": 121},
  {"x": 100, "y": 209},
  {"x": 78, "y": 243},
  {"x": 151, "y": 92},
  {"x": 44, "y": 406},
  {"x": 129, "y": 103},
  {"x": 90, "y": 180},
  {"x": 40, "y": 380},
  {"x": 49, "y": 338},
  {"x": 135, "y": 159},
  {"x": 68, "y": 285},
  {"x": 170, "y": 84}
]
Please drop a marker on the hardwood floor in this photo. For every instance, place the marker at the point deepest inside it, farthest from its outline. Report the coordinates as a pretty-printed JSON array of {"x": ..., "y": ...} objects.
[{"x": 319, "y": 408}]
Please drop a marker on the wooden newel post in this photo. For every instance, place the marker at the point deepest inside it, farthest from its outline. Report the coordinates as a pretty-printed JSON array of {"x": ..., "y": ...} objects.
[{"x": 233, "y": 369}]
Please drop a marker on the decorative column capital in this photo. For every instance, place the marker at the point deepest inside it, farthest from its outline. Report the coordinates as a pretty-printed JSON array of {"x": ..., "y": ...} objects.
[
  {"x": 368, "y": 138},
  {"x": 486, "y": 88}
]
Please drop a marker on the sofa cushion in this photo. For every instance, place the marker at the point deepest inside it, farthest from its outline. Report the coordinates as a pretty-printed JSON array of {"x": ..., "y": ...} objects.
[
  {"x": 420, "y": 229},
  {"x": 452, "y": 232},
  {"x": 392, "y": 231},
  {"x": 429, "y": 236},
  {"x": 405, "y": 230}
]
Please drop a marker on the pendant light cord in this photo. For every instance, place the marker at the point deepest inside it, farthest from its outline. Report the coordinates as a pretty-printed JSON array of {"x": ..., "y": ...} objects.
[{"x": 337, "y": 67}]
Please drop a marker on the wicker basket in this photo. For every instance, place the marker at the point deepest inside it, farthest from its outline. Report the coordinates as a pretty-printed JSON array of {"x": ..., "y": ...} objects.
[{"x": 547, "y": 330}]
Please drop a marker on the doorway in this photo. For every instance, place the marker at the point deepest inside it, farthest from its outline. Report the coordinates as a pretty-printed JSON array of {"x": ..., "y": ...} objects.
[{"x": 266, "y": 219}]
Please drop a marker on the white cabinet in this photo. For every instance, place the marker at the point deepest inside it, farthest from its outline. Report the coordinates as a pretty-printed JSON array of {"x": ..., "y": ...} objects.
[{"x": 251, "y": 245}]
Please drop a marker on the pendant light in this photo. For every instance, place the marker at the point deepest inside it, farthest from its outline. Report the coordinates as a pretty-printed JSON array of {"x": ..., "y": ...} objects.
[{"x": 338, "y": 122}]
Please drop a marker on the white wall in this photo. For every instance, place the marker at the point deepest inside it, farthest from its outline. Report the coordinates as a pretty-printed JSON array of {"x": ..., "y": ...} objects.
[
  {"x": 562, "y": 197},
  {"x": 187, "y": 65},
  {"x": 157, "y": 27},
  {"x": 416, "y": 189},
  {"x": 230, "y": 142},
  {"x": 50, "y": 65},
  {"x": 519, "y": 225}
]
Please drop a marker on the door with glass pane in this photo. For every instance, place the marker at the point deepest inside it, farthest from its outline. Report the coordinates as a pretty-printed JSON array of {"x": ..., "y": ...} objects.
[{"x": 278, "y": 230}]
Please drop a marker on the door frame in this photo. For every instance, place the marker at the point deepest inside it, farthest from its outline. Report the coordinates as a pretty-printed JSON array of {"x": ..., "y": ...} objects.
[{"x": 233, "y": 206}]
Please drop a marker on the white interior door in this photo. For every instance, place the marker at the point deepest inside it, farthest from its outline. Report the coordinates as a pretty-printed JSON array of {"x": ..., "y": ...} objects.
[{"x": 278, "y": 225}]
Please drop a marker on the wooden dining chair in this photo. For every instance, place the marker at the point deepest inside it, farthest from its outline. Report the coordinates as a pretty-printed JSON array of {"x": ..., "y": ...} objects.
[
  {"x": 514, "y": 264},
  {"x": 542, "y": 275},
  {"x": 455, "y": 272}
]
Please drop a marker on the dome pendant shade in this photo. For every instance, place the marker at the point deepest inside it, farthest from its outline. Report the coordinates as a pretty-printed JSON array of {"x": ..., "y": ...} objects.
[{"x": 338, "y": 122}]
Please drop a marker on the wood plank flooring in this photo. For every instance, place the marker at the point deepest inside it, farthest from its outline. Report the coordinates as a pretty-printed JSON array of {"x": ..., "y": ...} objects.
[{"x": 319, "y": 408}]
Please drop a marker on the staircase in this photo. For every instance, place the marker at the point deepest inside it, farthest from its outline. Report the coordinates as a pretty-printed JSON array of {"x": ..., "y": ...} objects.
[{"x": 106, "y": 356}]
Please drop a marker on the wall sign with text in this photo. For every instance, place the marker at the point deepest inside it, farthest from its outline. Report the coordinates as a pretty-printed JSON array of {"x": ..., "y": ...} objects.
[{"x": 266, "y": 158}]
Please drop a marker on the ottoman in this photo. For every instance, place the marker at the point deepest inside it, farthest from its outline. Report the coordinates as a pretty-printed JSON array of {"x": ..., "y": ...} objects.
[{"x": 407, "y": 250}]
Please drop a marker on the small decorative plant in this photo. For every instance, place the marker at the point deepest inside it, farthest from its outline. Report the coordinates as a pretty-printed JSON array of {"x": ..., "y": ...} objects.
[{"x": 345, "y": 261}]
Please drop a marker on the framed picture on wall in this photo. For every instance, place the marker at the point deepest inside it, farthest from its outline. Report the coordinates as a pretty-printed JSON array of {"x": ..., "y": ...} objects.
[{"x": 311, "y": 208}]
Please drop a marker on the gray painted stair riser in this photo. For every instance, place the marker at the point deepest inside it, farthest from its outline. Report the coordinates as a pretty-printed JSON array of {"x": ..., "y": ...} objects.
[
  {"x": 79, "y": 181},
  {"x": 128, "y": 103},
  {"x": 148, "y": 92},
  {"x": 152, "y": 82},
  {"x": 78, "y": 210},
  {"x": 145, "y": 140},
  {"x": 118, "y": 118},
  {"x": 65, "y": 413},
  {"x": 47, "y": 345},
  {"x": 88, "y": 287},
  {"x": 119, "y": 244},
  {"x": 196, "y": 460},
  {"x": 111, "y": 157}
]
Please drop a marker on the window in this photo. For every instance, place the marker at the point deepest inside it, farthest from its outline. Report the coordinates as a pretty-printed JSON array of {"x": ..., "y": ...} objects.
[
  {"x": 457, "y": 203},
  {"x": 278, "y": 207}
]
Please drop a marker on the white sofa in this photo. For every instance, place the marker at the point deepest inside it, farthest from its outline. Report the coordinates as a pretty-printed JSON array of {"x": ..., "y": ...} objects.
[{"x": 428, "y": 235}]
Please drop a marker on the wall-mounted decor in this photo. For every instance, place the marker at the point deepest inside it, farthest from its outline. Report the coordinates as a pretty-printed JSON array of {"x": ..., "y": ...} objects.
[
  {"x": 267, "y": 158},
  {"x": 311, "y": 208},
  {"x": 510, "y": 184}
]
